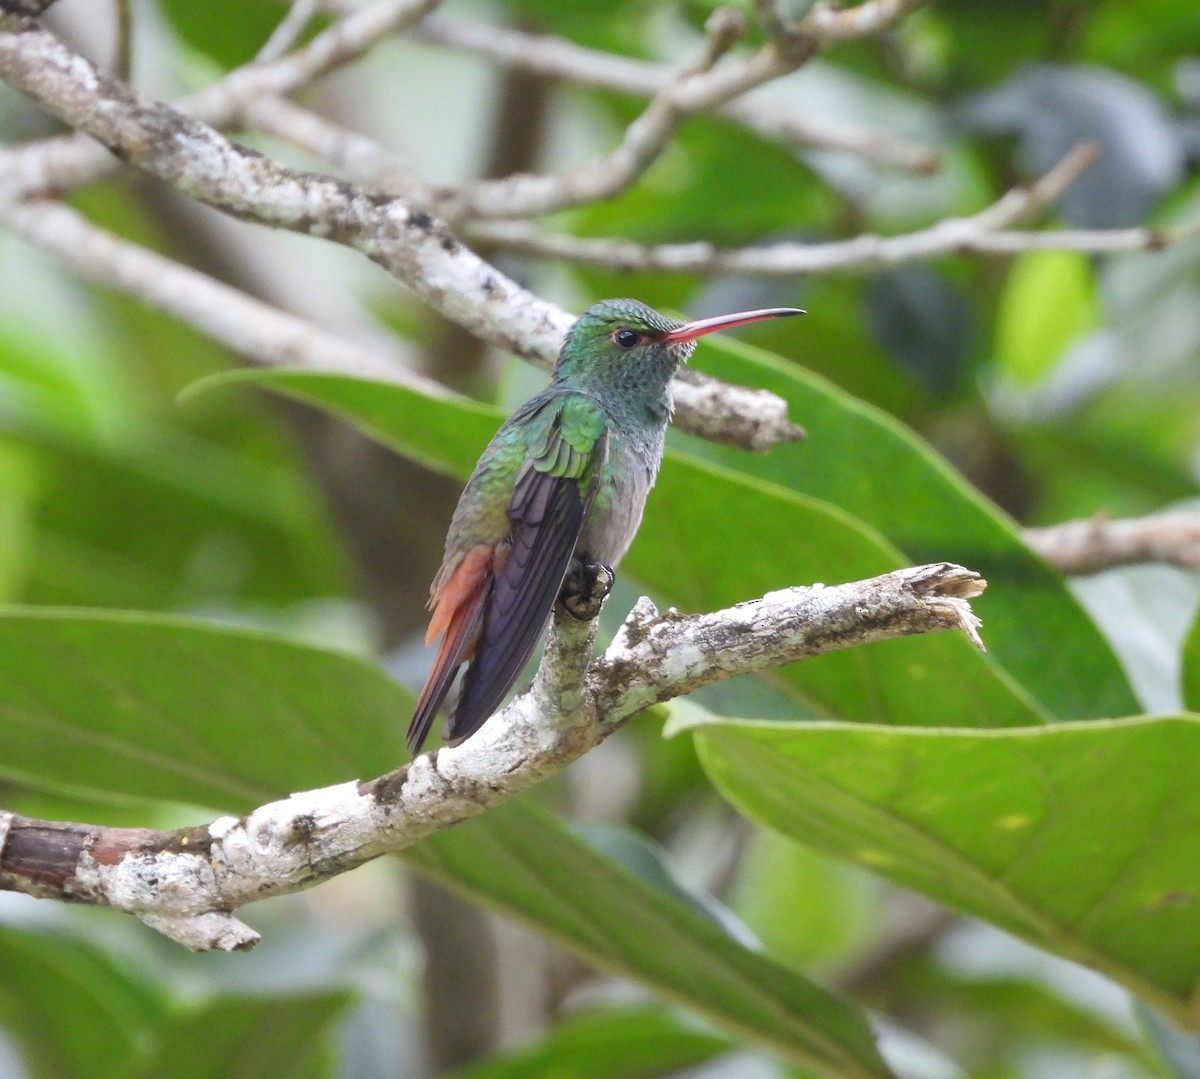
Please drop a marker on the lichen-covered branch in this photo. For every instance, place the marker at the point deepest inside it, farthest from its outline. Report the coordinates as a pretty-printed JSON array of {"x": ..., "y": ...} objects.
[
  {"x": 189, "y": 883},
  {"x": 416, "y": 248},
  {"x": 69, "y": 161}
]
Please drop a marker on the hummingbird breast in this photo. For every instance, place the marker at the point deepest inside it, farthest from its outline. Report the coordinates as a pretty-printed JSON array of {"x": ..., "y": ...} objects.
[{"x": 625, "y": 480}]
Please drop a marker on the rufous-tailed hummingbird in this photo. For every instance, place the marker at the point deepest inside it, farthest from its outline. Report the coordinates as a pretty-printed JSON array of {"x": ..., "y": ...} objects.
[{"x": 560, "y": 487}]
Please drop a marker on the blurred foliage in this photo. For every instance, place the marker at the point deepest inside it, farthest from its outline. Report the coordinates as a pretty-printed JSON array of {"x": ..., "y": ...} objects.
[{"x": 226, "y": 653}]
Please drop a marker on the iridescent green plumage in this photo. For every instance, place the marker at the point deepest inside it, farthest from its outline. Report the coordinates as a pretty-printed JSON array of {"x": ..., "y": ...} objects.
[{"x": 565, "y": 478}]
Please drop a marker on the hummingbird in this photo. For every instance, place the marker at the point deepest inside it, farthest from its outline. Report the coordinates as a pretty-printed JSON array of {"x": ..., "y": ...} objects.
[{"x": 559, "y": 491}]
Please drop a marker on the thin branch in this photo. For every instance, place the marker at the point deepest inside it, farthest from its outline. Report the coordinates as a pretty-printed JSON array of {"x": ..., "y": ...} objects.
[
  {"x": 772, "y": 119},
  {"x": 833, "y": 23},
  {"x": 355, "y": 156},
  {"x": 122, "y": 59},
  {"x": 985, "y": 232},
  {"x": 527, "y": 194},
  {"x": 704, "y": 86},
  {"x": 188, "y": 883},
  {"x": 69, "y": 161},
  {"x": 1098, "y": 543},
  {"x": 289, "y": 30},
  {"x": 416, "y": 248},
  {"x": 242, "y": 323},
  {"x": 862, "y": 253},
  {"x": 772, "y": 17}
]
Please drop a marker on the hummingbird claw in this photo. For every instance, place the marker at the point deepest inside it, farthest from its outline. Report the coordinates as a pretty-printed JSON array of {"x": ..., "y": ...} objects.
[{"x": 585, "y": 588}]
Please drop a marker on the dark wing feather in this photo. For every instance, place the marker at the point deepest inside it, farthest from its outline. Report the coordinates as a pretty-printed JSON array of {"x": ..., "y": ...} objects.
[{"x": 546, "y": 513}]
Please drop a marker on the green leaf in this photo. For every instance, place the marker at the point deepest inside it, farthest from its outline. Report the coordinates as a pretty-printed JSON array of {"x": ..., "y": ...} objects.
[
  {"x": 808, "y": 910},
  {"x": 72, "y": 1011},
  {"x": 521, "y": 861},
  {"x": 1080, "y": 838},
  {"x": 1047, "y": 302},
  {"x": 229, "y": 33},
  {"x": 133, "y": 706},
  {"x": 130, "y": 706},
  {"x": 1191, "y": 667},
  {"x": 699, "y": 515},
  {"x": 781, "y": 537},
  {"x": 871, "y": 466},
  {"x": 18, "y": 484},
  {"x": 444, "y": 434},
  {"x": 1016, "y": 1010},
  {"x": 126, "y": 510},
  {"x": 637, "y": 854},
  {"x": 248, "y": 1038},
  {"x": 632, "y": 1043}
]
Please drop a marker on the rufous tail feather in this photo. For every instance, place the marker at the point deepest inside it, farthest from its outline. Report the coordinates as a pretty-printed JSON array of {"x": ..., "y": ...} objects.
[{"x": 458, "y": 614}]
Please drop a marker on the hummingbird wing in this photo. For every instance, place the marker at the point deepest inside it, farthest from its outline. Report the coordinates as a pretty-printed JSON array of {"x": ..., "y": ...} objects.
[{"x": 549, "y": 503}]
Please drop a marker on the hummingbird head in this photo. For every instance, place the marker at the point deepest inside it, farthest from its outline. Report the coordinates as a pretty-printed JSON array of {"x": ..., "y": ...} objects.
[{"x": 623, "y": 347}]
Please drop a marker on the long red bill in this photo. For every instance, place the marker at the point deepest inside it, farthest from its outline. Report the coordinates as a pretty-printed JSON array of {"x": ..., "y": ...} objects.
[{"x": 689, "y": 331}]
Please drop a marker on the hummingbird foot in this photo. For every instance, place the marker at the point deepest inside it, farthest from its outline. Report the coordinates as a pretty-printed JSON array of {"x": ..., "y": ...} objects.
[{"x": 585, "y": 588}]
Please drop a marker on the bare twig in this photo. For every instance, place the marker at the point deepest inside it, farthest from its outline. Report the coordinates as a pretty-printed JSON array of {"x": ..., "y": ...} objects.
[
  {"x": 644, "y": 141},
  {"x": 833, "y": 23},
  {"x": 289, "y": 30},
  {"x": 357, "y": 157},
  {"x": 1098, "y": 543},
  {"x": 413, "y": 246},
  {"x": 772, "y": 119},
  {"x": 70, "y": 161},
  {"x": 122, "y": 60},
  {"x": 702, "y": 87},
  {"x": 188, "y": 883},
  {"x": 986, "y": 231},
  {"x": 772, "y": 16},
  {"x": 242, "y": 323}
]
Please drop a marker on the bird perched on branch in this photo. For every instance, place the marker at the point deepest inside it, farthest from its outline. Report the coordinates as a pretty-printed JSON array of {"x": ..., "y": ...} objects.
[{"x": 557, "y": 496}]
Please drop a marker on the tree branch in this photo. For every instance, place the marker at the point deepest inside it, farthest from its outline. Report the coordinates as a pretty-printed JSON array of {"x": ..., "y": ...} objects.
[
  {"x": 702, "y": 87},
  {"x": 771, "y": 119},
  {"x": 984, "y": 232},
  {"x": 245, "y": 325},
  {"x": 416, "y": 248},
  {"x": 187, "y": 883},
  {"x": 70, "y": 161},
  {"x": 1099, "y": 543}
]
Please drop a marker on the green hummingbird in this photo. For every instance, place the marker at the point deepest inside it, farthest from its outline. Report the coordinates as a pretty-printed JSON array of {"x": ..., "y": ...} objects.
[{"x": 561, "y": 486}]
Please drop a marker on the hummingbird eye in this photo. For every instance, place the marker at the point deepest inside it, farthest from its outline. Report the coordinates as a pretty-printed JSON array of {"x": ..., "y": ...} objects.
[{"x": 627, "y": 338}]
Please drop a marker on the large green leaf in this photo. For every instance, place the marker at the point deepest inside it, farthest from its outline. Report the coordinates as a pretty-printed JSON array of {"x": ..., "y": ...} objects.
[
  {"x": 124, "y": 511},
  {"x": 248, "y": 1038},
  {"x": 631, "y": 1043},
  {"x": 696, "y": 518},
  {"x": 712, "y": 538},
  {"x": 73, "y": 1012},
  {"x": 863, "y": 461},
  {"x": 148, "y": 707},
  {"x": 527, "y": 864},
  {"x": 1079, "y": 837},
  {"x": 132, "y": 706},
  {"x": 446, "y": 434}
]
